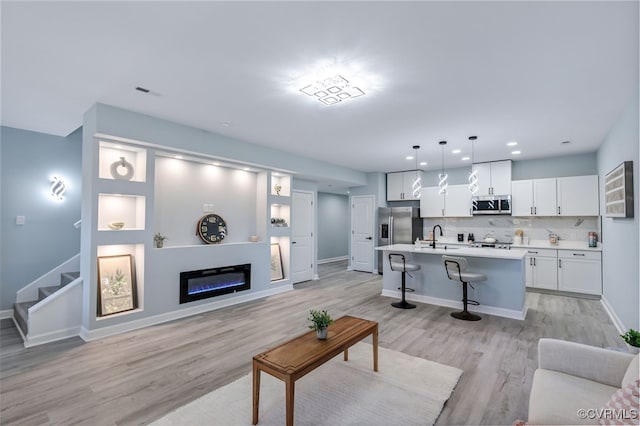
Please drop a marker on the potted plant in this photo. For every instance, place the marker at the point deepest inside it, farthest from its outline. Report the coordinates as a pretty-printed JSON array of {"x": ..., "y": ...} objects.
[
  {"x": 632, "y": 337},
  {"x": 158, "y": 239},
  {"x": 320, "y": 320}
]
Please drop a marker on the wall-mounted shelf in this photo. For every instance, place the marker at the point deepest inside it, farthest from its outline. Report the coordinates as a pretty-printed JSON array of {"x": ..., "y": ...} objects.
[{"x": 280, "y": 184}]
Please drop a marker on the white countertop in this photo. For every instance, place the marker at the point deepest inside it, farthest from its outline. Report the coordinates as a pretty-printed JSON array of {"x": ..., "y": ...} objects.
[
  {"x": 458, "y": 250},
  {"x": 539, "y": 244}
]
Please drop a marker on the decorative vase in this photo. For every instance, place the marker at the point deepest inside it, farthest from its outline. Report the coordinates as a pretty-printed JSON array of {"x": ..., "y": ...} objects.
[
  {"x": 321, "y": 333},
  {"x": 124, "y": 164},
  {"x": 159, "y": 244}
]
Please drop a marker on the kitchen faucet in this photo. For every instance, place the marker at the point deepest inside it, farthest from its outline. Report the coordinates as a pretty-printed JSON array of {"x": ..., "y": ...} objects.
[{"x": 433, "y": 232}]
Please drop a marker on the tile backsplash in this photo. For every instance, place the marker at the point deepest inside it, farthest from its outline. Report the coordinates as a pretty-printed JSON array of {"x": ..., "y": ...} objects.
[{"x": 503, "y": 227}]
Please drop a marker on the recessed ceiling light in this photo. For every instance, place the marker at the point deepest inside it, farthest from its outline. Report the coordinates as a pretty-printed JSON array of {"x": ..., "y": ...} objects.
[
  {"x": 466, "y": 158},
  {"x": 216, "y": 164},
  {"x": 514, "y": 143},
  {"x": 225, "y": 123},
  {"x": 247, "y": 168},
  {"x": 515, "y": 152},
  {"x": 117, "y": 146},
  {"x": 276, "y": 174},
  {"x": 332, "y": 90},
  {"x": 456, "y": 151},
  {"x": 409, "y": 157},
  {"x": 178, "y": 157},
  {"x": 423, "y": 163}
]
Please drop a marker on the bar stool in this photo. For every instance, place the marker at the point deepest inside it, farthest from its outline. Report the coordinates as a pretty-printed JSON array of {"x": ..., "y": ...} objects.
[
  {"x": 456, "y": 268},
  {"x": 399, "y": 264}
]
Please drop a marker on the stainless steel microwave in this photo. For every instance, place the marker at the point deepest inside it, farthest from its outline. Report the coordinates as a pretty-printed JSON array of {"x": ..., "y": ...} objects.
[{"x": 491, "y": 204}]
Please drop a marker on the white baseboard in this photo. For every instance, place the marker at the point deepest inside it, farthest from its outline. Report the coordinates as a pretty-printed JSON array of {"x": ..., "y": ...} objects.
[
  {"x": 612, "y": 314},
  {"x": 8, "y": 313},
  {"x": 99, "y": 333},
  {"x": 499, "y": 312},
  {"x": 51, "y": 337},
  {"x": 332, "y": 259}
]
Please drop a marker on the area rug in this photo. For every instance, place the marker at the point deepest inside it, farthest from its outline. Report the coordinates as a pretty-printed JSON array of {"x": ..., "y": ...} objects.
[{"x": 405, "y": 391}]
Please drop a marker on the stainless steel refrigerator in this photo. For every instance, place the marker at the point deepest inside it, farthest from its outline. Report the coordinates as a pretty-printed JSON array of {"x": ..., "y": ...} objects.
[{"x": 397, "y": 225}]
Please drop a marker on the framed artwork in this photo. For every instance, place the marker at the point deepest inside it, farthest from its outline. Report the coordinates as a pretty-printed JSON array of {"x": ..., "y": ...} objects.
[
  {"x": 276, "y": 263},
  {"x": 116, "y": 284},
  {"x": 618, "y": 190}
]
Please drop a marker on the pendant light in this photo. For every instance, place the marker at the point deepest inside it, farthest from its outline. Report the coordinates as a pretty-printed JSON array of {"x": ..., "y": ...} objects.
[
  {"x": 442, "y": 177},
  {"x": 416, "y": 185},
  {"x": 473, "y": 175}
]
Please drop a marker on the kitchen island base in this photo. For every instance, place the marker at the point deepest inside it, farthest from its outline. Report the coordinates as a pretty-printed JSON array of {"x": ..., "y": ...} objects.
[{"x": 503, "y": 294}]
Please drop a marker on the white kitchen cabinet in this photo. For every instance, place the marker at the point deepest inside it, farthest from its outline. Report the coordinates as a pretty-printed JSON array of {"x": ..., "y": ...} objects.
[
  {"x": 580, "y": 271},
  {"x": 578, "y": 196},
  {"x": 431, "y": 203},
  {"x": 533, "y": 197},
  {"x": 400, "y": 185},
  {"x": 541, "y": 269},
  {"x": 494, "y": 178},
  {"x": 456, "y": 203}
]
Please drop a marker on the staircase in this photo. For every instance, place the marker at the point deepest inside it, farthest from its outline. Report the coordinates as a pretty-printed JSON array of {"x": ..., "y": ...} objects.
[
  {"x": 21, "y": 310},
  {"x": 43, "y": 312}
]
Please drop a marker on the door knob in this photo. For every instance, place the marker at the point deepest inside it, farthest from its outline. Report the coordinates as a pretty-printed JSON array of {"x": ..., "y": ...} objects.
[
  {"x": 293, "y": 242},
  {"x": 368, "y": 238}
]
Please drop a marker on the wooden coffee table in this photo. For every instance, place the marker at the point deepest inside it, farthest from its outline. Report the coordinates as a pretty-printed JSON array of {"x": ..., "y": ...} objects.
[{"x": 297, "y": 357}]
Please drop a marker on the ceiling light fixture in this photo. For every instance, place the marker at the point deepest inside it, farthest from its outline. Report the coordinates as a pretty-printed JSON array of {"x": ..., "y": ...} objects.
[
  {"x": 465, "y": 158},
  {"x": 409, "y": 157},
  {"x": 332, "y": 90},
  {"x": 514, "y": 143},
  {"x": 473, "y": 175},
  {"x": 442, "y": 177},
  {"x": 456, "y": 151},
  {"x": 416, "y": 185},
  {"x": 515, "y": 152},
  {"x": 423, "y": 163},
  {"x": 58, "y": 188}
]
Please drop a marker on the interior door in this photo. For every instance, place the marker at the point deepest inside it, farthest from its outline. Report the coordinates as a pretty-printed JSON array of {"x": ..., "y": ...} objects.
[
  {"x": 362, "y": 226},
  {"x": 302, "y": 220}
]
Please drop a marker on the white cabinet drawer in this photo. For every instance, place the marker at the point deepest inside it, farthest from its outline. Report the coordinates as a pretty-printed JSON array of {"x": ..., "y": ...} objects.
[
  {"x": 542, "y": 252},
  {"x": 579, "y": 254}
]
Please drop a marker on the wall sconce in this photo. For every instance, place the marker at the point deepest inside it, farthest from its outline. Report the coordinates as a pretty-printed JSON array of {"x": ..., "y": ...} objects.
[{"x": 58, "y": 187}]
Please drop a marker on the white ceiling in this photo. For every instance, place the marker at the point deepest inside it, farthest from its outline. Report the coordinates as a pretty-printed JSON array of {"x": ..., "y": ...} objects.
[{"x": 538, "y": 73}]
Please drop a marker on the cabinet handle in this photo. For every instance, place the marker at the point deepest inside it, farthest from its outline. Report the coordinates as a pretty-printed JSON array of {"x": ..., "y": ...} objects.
[
  {"x": 531, "y": 261},
  {"x": 531, "y": 212},
  {"x": 535, "y": 210},
  {"x": 578, "y": 254},
  {"x": 534, "y": 261},
  {"x": 442, "y": 212},
  {"x": 558, "y": 209},
  {"x": 559, "y": 263},
  {"x": 532, "y": 251}
]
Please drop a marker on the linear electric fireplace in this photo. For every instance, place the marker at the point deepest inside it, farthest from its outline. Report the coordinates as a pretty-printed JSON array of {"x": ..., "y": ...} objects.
[{"x": 205, "y": 283}]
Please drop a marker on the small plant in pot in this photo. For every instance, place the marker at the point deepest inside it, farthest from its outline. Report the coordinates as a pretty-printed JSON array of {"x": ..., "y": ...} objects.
[
  {"x": 158, "y": 239},
  {"x": 320, "y": 320},
  {"x": 632, "y": 337}
]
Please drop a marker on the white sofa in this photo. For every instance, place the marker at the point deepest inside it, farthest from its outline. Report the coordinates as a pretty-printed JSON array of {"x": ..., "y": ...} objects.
[{"x": 572, "y": 376}]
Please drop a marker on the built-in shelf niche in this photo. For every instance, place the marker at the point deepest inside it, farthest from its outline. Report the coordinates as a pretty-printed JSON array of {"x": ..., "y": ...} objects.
[
  {"x": 111, "y": 153},
  {"x": 129, "y": 209},
  {"x": 285, "y": 256},
  {"x": 282, "y": 211},
  {"x": 137, "y": 253},
  {"x": 281, "y": 182}
]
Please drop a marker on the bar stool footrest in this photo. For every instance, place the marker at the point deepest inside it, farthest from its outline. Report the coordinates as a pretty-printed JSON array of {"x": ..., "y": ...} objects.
[{"x": 408, "y": 290}]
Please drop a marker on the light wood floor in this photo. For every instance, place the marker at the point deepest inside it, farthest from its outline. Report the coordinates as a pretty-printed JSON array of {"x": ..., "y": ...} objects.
[{"x": 137, "y": 377}]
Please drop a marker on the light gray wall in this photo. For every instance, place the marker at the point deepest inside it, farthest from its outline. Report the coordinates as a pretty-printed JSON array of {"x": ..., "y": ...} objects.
[
  {"x": 48, "y": 238},
  {"x": 333, "y": 225},
  {"x": 620, "y": 255}
]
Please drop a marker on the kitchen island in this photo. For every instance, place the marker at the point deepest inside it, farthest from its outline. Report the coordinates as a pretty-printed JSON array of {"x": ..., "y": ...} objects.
[{"x": 502, "y": 294}]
